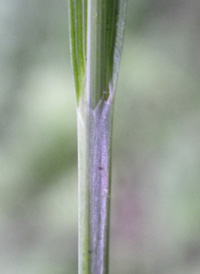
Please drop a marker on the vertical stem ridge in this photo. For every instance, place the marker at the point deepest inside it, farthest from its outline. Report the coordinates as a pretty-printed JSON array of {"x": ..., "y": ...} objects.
[{"x": 83, "y": 193}]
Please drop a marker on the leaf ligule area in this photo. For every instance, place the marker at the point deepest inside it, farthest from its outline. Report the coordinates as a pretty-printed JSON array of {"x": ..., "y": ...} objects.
[{"x": 94, "y": 30}]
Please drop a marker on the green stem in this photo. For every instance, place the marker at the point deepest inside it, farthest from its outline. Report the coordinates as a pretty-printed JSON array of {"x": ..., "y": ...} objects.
[
  {"x": 94, "y": 128},
  {"x": 96, "y": 41},
  {"x": 94, "y": 123}
]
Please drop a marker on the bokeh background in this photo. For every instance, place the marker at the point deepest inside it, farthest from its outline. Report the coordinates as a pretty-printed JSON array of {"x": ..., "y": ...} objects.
[{"x": 155, "y": 223}]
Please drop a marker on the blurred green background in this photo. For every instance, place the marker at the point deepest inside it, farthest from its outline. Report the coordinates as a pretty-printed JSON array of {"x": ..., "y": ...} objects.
[{"x": 155, "y": 223}]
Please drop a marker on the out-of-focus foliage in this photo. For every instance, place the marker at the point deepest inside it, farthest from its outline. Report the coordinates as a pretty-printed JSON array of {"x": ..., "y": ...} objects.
[{"x": 155, "y": 219}]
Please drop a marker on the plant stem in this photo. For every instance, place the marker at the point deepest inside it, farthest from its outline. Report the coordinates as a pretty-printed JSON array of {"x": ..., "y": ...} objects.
[
  {"x": 94, "y": 130},
  {"x": 95, "y": 123},
  {"x": 96, "y": 41}
]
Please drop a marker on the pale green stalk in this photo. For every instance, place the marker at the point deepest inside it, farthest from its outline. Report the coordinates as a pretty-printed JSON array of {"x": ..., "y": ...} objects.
[{"x": 96, "y": 41}]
